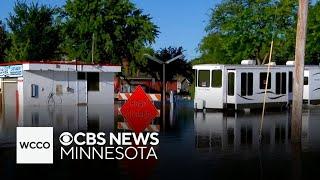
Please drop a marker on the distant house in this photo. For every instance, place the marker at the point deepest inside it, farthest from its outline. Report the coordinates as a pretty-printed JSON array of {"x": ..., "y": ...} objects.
[
  {"x": 150, "y": 85},
  {"x": 56, "y": 83}
]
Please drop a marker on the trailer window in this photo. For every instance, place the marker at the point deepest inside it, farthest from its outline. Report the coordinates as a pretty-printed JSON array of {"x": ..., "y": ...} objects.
[
  {"x": 204, "y": 78},
  {"x": 216, "y": 78},
  {"x": 263, "y": 81},
  {"x": 281, "y": 83},
  {"x": 231, "y": 83},
  {"x": 305, "y": 80},
  {"x": 81, "y": 76},
  {"x": 93, "y": 81},
  {"x": 290, "y": 81},
  {"x": 246, "y": 84},
  {"x": 196, "y": 77}
]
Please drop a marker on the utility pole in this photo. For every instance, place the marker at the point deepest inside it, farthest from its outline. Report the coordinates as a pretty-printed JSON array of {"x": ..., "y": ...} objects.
[{"x": 298, "y": 75}]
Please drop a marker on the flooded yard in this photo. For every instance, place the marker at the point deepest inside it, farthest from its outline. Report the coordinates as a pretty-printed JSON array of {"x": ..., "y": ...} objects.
[{"x": 193, "y": 145}]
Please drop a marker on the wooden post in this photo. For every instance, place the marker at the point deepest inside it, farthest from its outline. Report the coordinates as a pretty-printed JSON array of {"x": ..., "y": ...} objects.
[{"x": 296, "y": 120}]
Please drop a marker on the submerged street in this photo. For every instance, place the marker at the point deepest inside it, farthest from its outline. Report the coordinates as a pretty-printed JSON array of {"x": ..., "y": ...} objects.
[{"x": 192, "y": 144}]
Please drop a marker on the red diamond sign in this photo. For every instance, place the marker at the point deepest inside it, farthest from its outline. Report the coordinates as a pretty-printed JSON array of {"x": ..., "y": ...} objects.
[{"x": 138, "y": 111}]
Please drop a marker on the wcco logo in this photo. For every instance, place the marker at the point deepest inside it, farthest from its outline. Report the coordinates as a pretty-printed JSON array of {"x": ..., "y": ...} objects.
[{"x": 34, "y": 145}]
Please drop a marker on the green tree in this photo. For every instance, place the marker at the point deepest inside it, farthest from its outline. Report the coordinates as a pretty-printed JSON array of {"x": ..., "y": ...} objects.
[
  {"x": 34, "y": 32},
  {"x": 243, "y": 29},
  {"x": 313, "y": 35},
  {"x": 120, "y": 31},
  {"x": 3, "y": 41}
]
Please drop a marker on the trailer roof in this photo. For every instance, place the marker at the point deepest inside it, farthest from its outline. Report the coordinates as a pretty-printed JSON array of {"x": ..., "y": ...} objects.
[{"x": 240, "y": 66}]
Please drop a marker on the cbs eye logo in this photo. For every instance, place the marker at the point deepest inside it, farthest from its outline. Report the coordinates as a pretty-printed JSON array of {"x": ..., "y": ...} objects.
[{"x": 66, "y": 138}]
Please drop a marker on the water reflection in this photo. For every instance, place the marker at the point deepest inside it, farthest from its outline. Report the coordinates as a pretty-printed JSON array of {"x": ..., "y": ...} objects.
[
  {"x": 93, "y": 118},
  {"x": 218, "y": 131}
]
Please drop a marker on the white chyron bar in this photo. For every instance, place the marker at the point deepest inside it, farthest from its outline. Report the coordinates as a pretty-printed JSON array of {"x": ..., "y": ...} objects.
[{"x": 118, "y": 146}]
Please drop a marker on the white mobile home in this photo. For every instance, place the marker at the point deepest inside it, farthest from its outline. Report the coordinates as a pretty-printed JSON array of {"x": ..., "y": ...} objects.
[
  {"x": 56, "y": 83},
  {"x": 242, "y": 86}
]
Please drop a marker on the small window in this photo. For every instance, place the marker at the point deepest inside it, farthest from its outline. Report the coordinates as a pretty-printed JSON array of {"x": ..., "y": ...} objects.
[
  {"x": 246, "y": 84},
  {"x": 281, "y": 83},
  {"x": 231, "y": 83},
  {"x": 278, "y": 82},
  {"x": 305, "y": 80},
  {"x": 290, "y": 81},
  {"x": 81, "y": 76},
  {"x": 93, "y": 81},
  {"x": 250, "y": 84},
  {"x": 204, "y": 78},
  {"x": 216, "y": 78},
  {"x": 284, "y": 83},
  {"x": 34, "y": 90},
  {"x": 243, "y": 84},
  {"x": 263, "y": 80}
]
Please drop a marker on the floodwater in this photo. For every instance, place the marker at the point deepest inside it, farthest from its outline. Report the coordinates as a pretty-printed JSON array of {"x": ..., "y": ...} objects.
[{"x": 193, "y": 145}]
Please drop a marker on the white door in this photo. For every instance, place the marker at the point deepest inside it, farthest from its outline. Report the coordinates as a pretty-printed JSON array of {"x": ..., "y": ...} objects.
[
  {"x": 215, "y": 95},
  {"x": 82, "y": 92}
]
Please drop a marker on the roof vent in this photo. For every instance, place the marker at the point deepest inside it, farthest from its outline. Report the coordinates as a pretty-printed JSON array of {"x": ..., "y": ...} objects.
[
  {"x": 290, "y": 63},
  {"x": 248, "y": 62}
]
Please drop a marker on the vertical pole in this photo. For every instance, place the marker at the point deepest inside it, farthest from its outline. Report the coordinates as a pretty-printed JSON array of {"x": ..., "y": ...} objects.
[
  {"x": 296, "y": 120},
  {"x": 163, "y": 94}
]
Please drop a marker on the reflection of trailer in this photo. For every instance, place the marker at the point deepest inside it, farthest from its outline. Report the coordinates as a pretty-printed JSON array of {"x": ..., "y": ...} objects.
[
  {"x": 242, "y": 86},
  {"x": 216, "y": 131}
]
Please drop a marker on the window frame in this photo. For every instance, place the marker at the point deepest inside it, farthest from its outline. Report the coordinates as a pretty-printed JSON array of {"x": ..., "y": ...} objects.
[
  {"x": 213, "y": 79},
  {"x": 281, "y": 83},
  {"x": 199, "y": 83},
  {"x": 262, "y": 85},
  {"x": 248, "y": 90}
]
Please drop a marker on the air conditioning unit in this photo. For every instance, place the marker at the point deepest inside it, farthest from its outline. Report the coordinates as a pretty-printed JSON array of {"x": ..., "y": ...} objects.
[
  {"x": 290, "y": 63},
  {"x": 248, "y": 62}
]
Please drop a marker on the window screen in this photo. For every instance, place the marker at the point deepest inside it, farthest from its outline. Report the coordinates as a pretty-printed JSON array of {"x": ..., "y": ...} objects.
[
  {"x": 204, "y": 78},
  {"x": 216, "y": 78}
]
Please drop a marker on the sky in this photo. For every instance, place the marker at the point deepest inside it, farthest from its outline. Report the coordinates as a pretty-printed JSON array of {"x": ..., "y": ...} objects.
[{"x": 181, "y": 22}]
